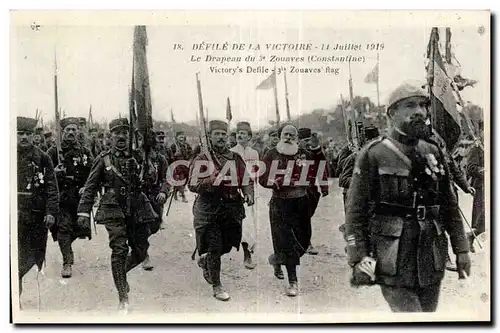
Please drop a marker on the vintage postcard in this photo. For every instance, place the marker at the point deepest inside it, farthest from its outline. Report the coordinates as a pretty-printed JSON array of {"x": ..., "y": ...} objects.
[{"x": 250, "y": 166}]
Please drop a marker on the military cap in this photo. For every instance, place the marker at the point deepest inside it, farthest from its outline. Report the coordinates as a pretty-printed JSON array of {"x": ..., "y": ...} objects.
[
  {"x": 179, "y": 133},
  {"x": 119, "y": 122},
  {"x": 371, "y": 132},
  {"x": 405, "y": 90},
  {"x": 304, "y": 133},
  {"x": 48, "y": 134},
  {"x": 82, "y": 121},
  {"x": 69, "y": 121},
  {"x": 214, "y": 125},
  {"x": 160, "y": 133},
  {"x": 93, "y": 129},
  {"x": 243, "y": 126},
  {"x": 39, "y": 130},
  {"x": 25, "y": 124},
  {"x": 273, "y": 132}
]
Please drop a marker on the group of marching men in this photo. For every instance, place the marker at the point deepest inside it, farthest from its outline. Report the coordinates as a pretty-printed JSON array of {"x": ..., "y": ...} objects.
[{"x": 398, "y": 197}]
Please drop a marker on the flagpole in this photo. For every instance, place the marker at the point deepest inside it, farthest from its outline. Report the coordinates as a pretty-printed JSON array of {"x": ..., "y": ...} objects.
[
  {"x": 275, "y": 89},
  {"x": 286, "y": 97},
  {"x": 378, "y": 78},
  {"x": 355, "y": 135}
]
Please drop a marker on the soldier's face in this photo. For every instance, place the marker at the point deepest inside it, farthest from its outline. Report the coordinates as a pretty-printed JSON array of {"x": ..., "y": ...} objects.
[
  {"x": 274, "y": 139},
  {"x": 119, "y": 138},
  {"x": 70, "y": 132},
  {"x": 160, "y": 139},
  {"x": 93, "y": 135},
  {"x": 36, "y": 139},
  {"x": 289, "y": 134},
  {"x": 181, "y": 138},
  {"x": 242, "y": 136},
  {"x": 218, "y": 138},
  {"x": 410, "y": 116},
  {"x": 24, "y": 138}
]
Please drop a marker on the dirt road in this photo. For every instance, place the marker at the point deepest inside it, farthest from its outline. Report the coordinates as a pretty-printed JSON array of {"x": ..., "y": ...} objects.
[{"x": 176, "y": 287}]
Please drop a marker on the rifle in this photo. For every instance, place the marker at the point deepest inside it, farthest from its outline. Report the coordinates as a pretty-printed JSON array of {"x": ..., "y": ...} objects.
[{"x": 206, "y": 146}]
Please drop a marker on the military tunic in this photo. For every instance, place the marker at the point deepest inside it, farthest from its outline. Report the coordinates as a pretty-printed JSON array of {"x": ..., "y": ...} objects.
[
  {"x": 398, "y": 215},
  {"x": 475, "y": 171},
  {"x": 127, "y": 215},
  {"x": 37, "y": 195}
]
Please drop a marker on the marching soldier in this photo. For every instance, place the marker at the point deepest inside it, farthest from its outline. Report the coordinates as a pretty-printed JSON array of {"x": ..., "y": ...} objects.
[
  {"x": 232, "y": 140},
  {"x": 37, "y": 140},
  {"x": 272, "y": 141},
  {"x": 289, "y": 208},
  {"x": 71, "y": 175},
  {"x": 156, "y": 188},
  {"x": 49, "y": 140},
  {"x": 181, "y": 150},
  {"x": 475, "y": 171},
  {"x": 124, "y": 208},
  {"x": 310, "y": 142},
  {"x": 95, "y": 142},
  {"x": 399, "y": 205},
  {"x": 37, "y": 199},
  {"x": 249, "y": 226},
  {"x": 218, "y": 207},
  {"x": 161, "y": 146}
]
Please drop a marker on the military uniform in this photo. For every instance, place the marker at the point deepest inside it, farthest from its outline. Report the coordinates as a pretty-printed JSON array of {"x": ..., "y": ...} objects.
[
  {"x": 124, "y": 209},
  {"x": 218, "y": 212},
  {"x": 37, "y": 197},
  {"x": 76, "y": 162},
  {"x": 180, "y": 151},
  {"x": 475, "y": 171}
]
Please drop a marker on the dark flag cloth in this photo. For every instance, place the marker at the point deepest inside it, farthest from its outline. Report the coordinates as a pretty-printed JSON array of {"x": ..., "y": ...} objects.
[{"x": 444, "y": 113}]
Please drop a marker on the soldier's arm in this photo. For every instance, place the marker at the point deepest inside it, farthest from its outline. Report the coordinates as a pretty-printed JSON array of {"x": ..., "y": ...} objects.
[
  {"x": 458, "y": 176},
  {"x": 92, "y": 185},
  {"x": 318, "y": 156},
  {"x": 345, "y": 175},
  {"x": 162, "y": 175},
  {"x": 357, "y": 210},
  {"x": 52, "y": 152},
  {"x": 267, "y": 159},
  {"x": 475, "y": 164},
  {"x": 52, "y": 203},
  {"x": 244, "y": 175},
  {"x": 197, "y": 184}
]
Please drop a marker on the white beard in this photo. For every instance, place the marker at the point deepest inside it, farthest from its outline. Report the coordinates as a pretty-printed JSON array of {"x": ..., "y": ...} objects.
[{"x": 288, "y": 149}]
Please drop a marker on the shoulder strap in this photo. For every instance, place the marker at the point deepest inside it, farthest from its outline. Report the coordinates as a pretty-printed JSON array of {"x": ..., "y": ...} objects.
[
  {"x": 109, "y": 166},
  {"x": 389, "y": 144}
]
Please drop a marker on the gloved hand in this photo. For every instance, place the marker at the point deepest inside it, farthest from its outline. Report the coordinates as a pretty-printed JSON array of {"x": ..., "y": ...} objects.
[
  {"x": 363, "y": 273},
  {"x": 161, "y": 198},
  {"x": 49, "y": 221},
  {"x": 472, "y": 191},
  {"x": 83, "y": 223},
  {"x": 249, "y": 199},
  {"x": 463, "y": 265}
]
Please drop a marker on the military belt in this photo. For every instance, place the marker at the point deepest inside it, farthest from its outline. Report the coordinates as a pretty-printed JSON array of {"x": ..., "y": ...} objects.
[
  {"x": 122, "y": 191},
  {"x": 419, "y": 212}
]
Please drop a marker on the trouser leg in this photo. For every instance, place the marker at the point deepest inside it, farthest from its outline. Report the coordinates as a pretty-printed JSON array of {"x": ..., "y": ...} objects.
[
  {"x": 65, "y": 240},
  {"x": 214, "y": 266},
  {"x": 429, "y": 297},
  {"x": 117, "y": 231},
  {"x": 292, "y": 273},
  {"x": 401, "y": 299},
  {"x": 138, "y": 241}
]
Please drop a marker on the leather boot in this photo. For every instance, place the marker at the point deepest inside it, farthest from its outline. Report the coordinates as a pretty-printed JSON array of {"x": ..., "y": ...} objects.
[
  {"x": 247, "y": 257},
  {"x": 202, "y": 263},
  {"x": 220, "y": 293},
  {"x": 278, "y": 272},
  {"x": 292, "y": 289}
]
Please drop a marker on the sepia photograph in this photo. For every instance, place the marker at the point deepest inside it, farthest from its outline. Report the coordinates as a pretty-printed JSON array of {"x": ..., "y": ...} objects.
[{"x": 250, "y": 166}]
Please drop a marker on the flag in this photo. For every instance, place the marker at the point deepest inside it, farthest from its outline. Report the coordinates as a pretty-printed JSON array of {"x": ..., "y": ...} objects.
[
  {"x": 229, "y": 115},
  {"x": 444, "y": 113},
  {"x": 141, "y": 94},
  {"x": 268, "y": 83},
  {"x": 372, "y": 77}
]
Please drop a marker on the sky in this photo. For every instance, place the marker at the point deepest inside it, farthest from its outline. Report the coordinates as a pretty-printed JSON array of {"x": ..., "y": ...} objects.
[{"x": 95, "y": 64}]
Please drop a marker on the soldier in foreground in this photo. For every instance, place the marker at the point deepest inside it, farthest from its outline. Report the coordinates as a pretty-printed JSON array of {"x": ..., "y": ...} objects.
[
  {"x": 249, "y": 225},
  {"x": 289, "y": 208},
  {"x": 37, "y": 200},
  {"x": 181, "y": 150},
  {"x": 124, "y": 209},
  {"x": 72, "y": 172},
  {"x": 218, "y": 209},
  {"x": 399, "y": 205}
]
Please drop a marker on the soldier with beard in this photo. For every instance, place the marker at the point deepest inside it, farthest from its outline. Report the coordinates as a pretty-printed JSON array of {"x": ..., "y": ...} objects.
[
  {"x": 37, "y": 199},
  {"x": 399, "y": 205},
  {"x": 289, "y": 208},
  {"x": 218, "y": 208},
  {"x": 251, "y": 157},
  {"x": 124, "y": 209},
  {"x": 72, "y": 172},
  {"x": 181, "y": 150},
  {"x": 309, "y": 141}
]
